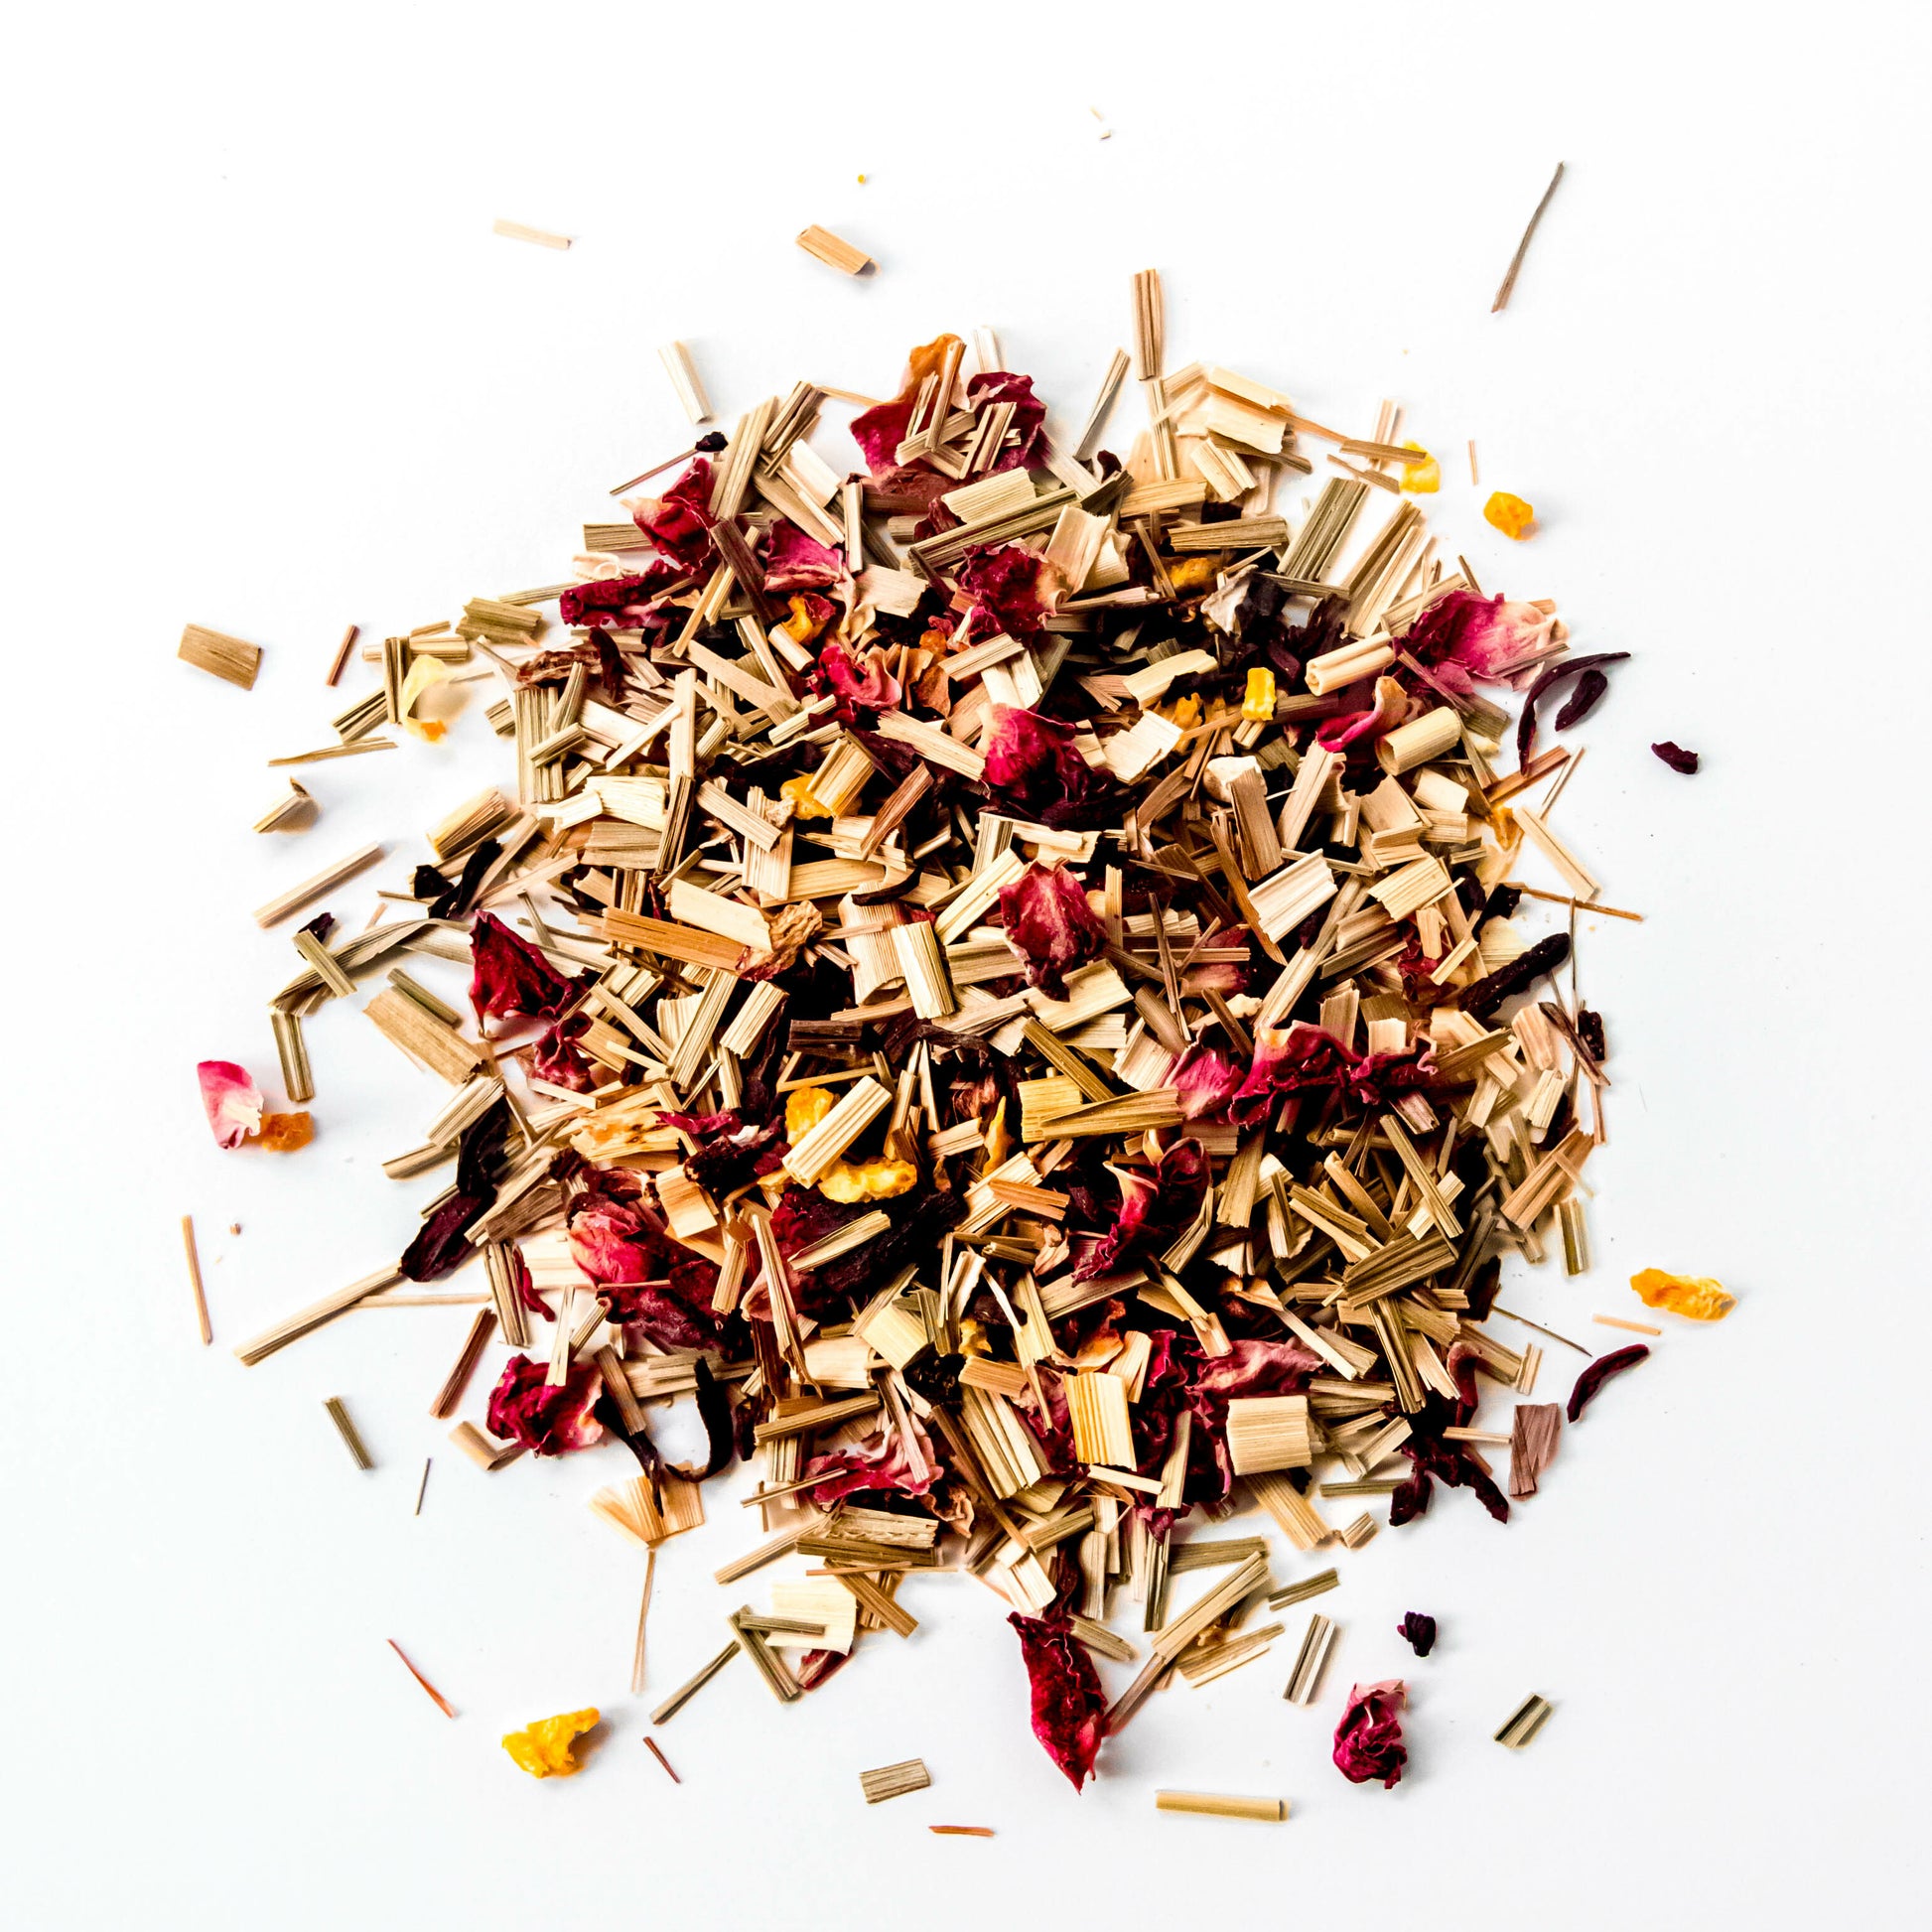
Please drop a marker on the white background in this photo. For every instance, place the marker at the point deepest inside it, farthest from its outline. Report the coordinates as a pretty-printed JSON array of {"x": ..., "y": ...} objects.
[{"x": 271, "y": 372}]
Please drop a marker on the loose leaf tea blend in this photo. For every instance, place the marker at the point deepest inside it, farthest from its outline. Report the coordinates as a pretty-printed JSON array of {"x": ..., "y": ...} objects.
[{"x": 997, "y": 985}]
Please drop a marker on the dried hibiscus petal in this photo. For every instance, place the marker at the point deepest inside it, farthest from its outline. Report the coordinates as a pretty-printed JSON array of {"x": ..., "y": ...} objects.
[
  {"x": 232, "y": 1101},
  {"x": 1600, "y": 1371},
  {"x": 1368, "y": 1740},
  {"x": 1676, "y": 758},
  {"x": 1417, "y": 1631},
  {"x": 1050, "y": 925},
  {"x": 1069, "y": 1707},
  {"x": 1486, "y": 994},
  {"x": 524, "y": 1409},
  {"x": 510, "y": 975}
]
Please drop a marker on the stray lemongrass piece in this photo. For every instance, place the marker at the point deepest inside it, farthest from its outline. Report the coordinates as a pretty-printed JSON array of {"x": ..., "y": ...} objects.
[
  {"x": 195, "y": 1279},
  {"x": 1204, "y": 1804},
  {"x": 338, "y": 1415},
  {"x": 516, "y": 232},
  {"x": 1524, "y": 1723},
  {"x": 893, "y": 1781},
  {"x": 1515, "y": 267},
  {"x": 833, "y": 252}
]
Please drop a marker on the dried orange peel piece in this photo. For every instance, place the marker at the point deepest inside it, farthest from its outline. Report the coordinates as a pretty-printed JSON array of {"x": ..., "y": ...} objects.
[
  {"x": 1257, "y": 700},
  {"x": 803, "y": 804},
  {"x": 805, "y": 1107},
  {"x": 1423, "y": 477},
  {"x": 1511, "y": 515},
  {"x": 873, "y": 1181},
  {"x": 543, "y": 1748},
  {"x": 1695, "y": 1295},
  {"x": 285, "y": 1132}
]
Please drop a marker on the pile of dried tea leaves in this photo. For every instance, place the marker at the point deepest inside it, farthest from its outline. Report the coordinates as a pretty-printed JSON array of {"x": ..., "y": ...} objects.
[{"x": 998, "y": 984}]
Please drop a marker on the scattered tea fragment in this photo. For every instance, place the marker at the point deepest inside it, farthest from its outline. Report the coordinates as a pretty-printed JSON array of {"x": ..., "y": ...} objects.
[
  {"x": 1695, "y": 1295},
  {"x": 1676, "y": 758},
  {"x": 960, "y": 1831},
  {"x": 1633, "y": 1327},
  {"x": 893, "y": 1781},
  {"x": 1368, "y": 1739},
  {"x": 229, "y": 659},
  {"x": 1600, "y": 1371},
  {"x": 441, "y": 1702},
  {"x": 650, "y": 1744},
  {"x": 1208, "y": 1804},
  {"x": 232, "y": 1100},
  {"x": 1523, "y": 247},
  {"x": 544, "y": 1747},
  {"x": 194, "y": 1279},
  {"x": 346, "y": 1428},
  {"x": 516, "y": 232},
  {"x": 1509, "y": 515},
  {"x": 1417, "y": 1631},
  {"x": 833, "y": 252},
  {"x": 1524, "y": 1723}
]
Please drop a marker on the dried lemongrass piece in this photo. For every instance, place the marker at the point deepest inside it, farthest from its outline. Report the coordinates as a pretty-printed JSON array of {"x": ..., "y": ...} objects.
[
  {"x": 1523, "y": 1721},
  {"x": 813, "y": 1155},
  {"x": 683, "y": 373},
  {"x": 893, "y": 1781},
  {"x": 685, "y": 1692},
  {"x": 344, "y": 1428},
  {"x": 194, "y": 1279},
  {"x": 230, "y": 658},
  {"x": 278, "y": 910},
  {"x": 1267, "y": 1433},
  {"x": 516, "y": 232},
  {"x": 1310, "y": 1661},
  {"x": 284, "y": 814},
  {"x": 484, "y": 1451},
  {"x": 1515, "y": 266},
  {"x": 429, "y": 1041},
  {"x": 305, "y": 1321},
  {"x": 1315, "y": 1585},
  {"x": 458, "y": 1379},
  {"x": 835, "y": 253},
  {"x": 1206, "y": 1804}
]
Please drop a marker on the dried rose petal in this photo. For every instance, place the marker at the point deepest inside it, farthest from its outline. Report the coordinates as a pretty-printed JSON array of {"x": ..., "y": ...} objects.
[
  {"x": 795, "y": 561},
  {"x": 1070, "y": 1709},
  {"x": 232, "y": 1100},
  {"x": 1368, "y": 1740},
  {"x": 679, "y": 521}
]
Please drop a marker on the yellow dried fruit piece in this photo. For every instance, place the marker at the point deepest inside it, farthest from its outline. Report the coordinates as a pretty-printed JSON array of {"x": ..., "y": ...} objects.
[
  {"x": 543, "y": 1748},
  {"x": 805, "y": 1107},
  {"x": 1695, "y": 1295},
  {"x": 1258, "y": 702},
  {"x": 802, "y": 627},
  {"x": 285, "y": 1132},
  {"x": 1192, "y": 573},
  {"x": 875, "y": 1180},
  {"x": 971, "y": 1337},
  {"x": 1187, "y": 712},
  {"x": 803, "y": 804},
  {"x": 1423, "y": 477},
  {"x": 1509, "y": 515}
]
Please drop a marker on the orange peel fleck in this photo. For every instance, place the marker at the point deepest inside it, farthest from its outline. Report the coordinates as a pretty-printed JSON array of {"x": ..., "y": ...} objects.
[
  {"x": 1511, "y": 515},
  {"x": 1695, "y": 1295},
  {"x": 543, "y": 1748}
]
